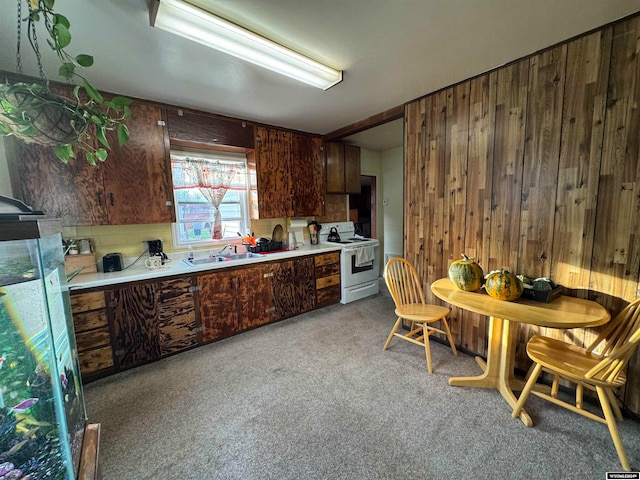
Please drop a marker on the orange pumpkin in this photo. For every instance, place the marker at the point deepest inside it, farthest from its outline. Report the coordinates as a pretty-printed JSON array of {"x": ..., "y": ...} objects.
[{"x": 503, "y": 285}]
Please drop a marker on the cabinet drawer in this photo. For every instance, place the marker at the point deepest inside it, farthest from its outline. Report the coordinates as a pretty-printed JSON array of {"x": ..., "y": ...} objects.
[
  {"x": 90, "y": 320},
  {"x": 327, "y": 270},
  {"x": 325, "y": 282},
  {"x": 94, "y": 360},
  {"x": 327, "y": 258},
  {"x": 93, "y": 339},
  {"x": 83, "y": 302},
  {"x": 328, "y": 295}
]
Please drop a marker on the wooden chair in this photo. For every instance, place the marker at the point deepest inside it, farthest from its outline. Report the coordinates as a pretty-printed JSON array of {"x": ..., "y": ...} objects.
[
  {"x": 404, "y": 286},
  {"x": 602, "y": 371}
]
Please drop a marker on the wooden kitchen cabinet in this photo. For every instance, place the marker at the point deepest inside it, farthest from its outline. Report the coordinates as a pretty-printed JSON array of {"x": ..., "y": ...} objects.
[
  {"x": 235, "y": 300},
  {"x": 151, "y": 320},
  {"x": 327, "y": 275},
  {"x": 128, "y": 325},
  {"x": 133, "y": 186},
  {"x": 293, "y": 287},
  {"x": 92, "y": 334},
  {"x": 137, "y": 176},
  {"x": 308, "y": 177},
  {"x": 273, "y": 169},
  {"x": 343, "y": 168},
  {"x": 290, "y": 173}
]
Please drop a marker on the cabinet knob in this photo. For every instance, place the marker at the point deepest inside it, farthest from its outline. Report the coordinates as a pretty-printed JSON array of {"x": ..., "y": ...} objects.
[
  {"x": 169, "y": 203},
  {"x": 161, "y": 123}
]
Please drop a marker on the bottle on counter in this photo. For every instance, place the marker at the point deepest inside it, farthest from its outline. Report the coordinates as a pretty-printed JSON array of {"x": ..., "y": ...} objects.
[{"x": 190, "y": 255}]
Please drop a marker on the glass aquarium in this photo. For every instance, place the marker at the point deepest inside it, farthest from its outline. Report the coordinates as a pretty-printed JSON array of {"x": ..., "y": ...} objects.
[{"x": 42, "y": 412}]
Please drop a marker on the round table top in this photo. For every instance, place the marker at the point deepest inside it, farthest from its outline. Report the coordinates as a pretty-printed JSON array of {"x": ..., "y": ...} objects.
[{"x": 563, "y": 312}]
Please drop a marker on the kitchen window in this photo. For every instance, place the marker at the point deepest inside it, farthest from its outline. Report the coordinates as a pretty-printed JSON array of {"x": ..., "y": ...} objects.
[{"x": 211, "y": 197}]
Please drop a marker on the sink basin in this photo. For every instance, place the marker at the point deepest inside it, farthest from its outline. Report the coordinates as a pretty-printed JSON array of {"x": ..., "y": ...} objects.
[
  {"x": 241, "y": 256},
  {"x": 221, "y": 258},
  {"x": 204, "y": 261}
]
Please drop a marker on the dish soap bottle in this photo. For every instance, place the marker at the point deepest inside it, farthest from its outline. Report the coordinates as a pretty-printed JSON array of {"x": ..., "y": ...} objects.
[{"x": 190, "y": 255}]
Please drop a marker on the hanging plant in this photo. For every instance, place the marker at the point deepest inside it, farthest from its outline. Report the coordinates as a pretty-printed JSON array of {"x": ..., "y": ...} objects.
[{"x": 34, "y": 114}]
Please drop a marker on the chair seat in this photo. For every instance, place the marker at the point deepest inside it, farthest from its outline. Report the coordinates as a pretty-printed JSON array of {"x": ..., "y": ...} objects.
[
  {"x": 419, "y": 312},
  {"x": 570, "y": 361}
]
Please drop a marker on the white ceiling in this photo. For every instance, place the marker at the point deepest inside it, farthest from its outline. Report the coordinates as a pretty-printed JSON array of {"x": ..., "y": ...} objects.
[{"x": 391, "y": 51}]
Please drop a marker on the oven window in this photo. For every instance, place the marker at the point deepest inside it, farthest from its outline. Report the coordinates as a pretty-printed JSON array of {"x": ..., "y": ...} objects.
[{"x": 363, "y": 268}]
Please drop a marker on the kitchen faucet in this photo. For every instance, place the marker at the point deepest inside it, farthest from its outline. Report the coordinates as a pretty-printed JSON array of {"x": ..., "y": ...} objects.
[{"x": 229, "y": 245}]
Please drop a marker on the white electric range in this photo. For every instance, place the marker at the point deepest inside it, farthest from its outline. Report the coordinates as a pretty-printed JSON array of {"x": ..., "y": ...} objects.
[{"x": 359, "y": 261}]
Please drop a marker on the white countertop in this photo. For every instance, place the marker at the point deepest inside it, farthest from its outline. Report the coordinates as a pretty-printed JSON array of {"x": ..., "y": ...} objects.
[{"x": 176, "y": 266}]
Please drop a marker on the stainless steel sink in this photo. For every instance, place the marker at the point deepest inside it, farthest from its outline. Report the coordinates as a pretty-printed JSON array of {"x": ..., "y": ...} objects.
[
  {"x": 221, "y": 258},
  {"x": 204, "y": 261},
  {"x": 241, "y": 256}
]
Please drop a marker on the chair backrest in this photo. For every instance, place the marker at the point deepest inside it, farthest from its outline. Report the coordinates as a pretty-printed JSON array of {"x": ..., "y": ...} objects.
[
  {"x": 618, "y": 340},
  {"x": 403, "y": 282}
]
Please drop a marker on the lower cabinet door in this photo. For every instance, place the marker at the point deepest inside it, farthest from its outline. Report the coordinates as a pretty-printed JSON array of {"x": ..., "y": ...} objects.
[
  {"x": 293, "y": 287},
  {"x": 218, "y": 312},
  {"x": 255, "y": 297},
  {"x": 176, "y": 316},
  {"x": 135, "y": 328}
]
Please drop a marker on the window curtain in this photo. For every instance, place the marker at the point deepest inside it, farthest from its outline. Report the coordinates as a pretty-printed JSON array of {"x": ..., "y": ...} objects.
[{"x": 212, "y": 178}]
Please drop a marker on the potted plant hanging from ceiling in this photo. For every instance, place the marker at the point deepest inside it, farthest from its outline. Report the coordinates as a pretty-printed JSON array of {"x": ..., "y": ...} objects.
[{"x": 35, "y": 114}]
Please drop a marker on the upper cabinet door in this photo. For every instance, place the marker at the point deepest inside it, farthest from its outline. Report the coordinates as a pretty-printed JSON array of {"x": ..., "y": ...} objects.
[
  {"x": 343, "y": 168},
  {"x": 137, "y": 178},
  {"x": 352, "y": 169},
  {"x": 335, "y": 168},
  {"x": 273, "y": 168},
  {"x": 307, "y": 165},
  {"x": 71, "y": 192}
]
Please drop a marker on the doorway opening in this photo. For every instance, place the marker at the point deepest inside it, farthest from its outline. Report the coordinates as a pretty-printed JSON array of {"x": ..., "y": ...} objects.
[{"x": 362, "y": 207}]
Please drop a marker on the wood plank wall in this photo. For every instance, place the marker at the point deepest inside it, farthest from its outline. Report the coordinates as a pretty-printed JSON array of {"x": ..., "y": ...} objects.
[{"x": 534, "y": 167}]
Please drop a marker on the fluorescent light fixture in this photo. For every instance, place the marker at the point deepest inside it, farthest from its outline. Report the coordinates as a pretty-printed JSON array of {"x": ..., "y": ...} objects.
[{"x": 186, "y": 20}]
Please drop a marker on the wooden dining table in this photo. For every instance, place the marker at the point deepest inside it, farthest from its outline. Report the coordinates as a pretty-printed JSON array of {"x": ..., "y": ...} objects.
[{"x": 563, "y": 312}]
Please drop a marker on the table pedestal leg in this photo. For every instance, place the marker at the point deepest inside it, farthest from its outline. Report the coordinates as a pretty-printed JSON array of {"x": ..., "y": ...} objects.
[{"x": 498, "y": 370}]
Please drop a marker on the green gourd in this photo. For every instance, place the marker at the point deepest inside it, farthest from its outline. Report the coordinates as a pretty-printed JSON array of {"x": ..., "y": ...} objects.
[
  {"x": 503, "y": 285},
  {"x": 466, "y": 274}
]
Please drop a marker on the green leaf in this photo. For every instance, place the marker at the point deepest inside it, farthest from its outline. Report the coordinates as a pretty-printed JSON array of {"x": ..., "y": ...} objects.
[
  {"x": 123, "y": 134},
  {"x": 67, "y": 70},
  {"x": 63, "y": 152},
  {"x": 27, "y": 130},
  {"x": 101, "y": 154},
  {"x": 7, "y": 106},
  {"x": 93, "y": 93},
  {"x": 76, "y": 92},
  {"x": 126, "y": 112},
  {"x": 122, "y": 101},
  {"x": 34, "y": 16},
  {"x": 62, "y": 36},
  {"x": 91, "y": 158},
  {"x": 61, "y": 20},
  {"x": 97, "y": 120},
  {"x": 6, "y": 129},
  {"x": 84, "y": 60},
  {"x": 102, "y": 137},
  {"x": 48, "y": 3}
]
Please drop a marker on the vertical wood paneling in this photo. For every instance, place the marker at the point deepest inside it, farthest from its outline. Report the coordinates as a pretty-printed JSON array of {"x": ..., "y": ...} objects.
[
  {"x": 580, "y": 155},
  {"x": 482, "y": 108},
  {"x": 553, "y": 178},
  {"x": 540, "y": 173},
  {"x": 616, "y": 254},
  {"x": 415, "y": 124},
  {"x": 579, "y": 165},
  {"x": 434, "y": 225},
  {"x": 540, "y": 170},
  {"x": 456, "y": 157}
]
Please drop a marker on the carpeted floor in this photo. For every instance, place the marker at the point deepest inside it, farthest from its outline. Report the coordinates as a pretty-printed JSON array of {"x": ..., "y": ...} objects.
[{"x": 316, "y": 397}]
